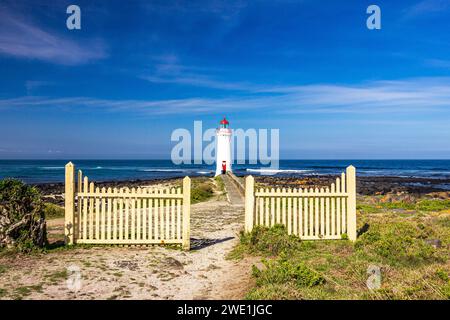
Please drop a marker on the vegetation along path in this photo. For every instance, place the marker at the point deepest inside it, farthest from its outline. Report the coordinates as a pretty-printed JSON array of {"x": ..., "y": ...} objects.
[{"x": 143, "y": 272}]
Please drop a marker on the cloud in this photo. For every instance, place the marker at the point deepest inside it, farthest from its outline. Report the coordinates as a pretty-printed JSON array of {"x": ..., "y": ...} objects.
[
  {"x": 33, "y": 85},
  {"x": 168, "y": 69},
  {"x": 438, "y": 63},
  {"x": 21, "y": 39},
  {"x": 427, "y": 7},
  {"x": 409, "y": 96}
]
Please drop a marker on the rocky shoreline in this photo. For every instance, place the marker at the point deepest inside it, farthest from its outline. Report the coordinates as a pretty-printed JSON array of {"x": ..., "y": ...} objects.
[
  {"x": 365, "y": 185},
  {"x": 370, "y": 186},
  {"x": 54, "y": 192}
]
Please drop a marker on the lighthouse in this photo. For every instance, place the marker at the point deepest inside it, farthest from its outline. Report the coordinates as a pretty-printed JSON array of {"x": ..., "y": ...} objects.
[{"x": 223, "y": 147}]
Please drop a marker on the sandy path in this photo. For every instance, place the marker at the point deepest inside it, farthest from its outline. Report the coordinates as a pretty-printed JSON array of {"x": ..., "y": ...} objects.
[{"x": 142, "y": 272}]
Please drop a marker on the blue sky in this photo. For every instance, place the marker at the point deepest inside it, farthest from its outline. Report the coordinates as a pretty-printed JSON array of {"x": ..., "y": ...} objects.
[{"x": 137, "y": 70}]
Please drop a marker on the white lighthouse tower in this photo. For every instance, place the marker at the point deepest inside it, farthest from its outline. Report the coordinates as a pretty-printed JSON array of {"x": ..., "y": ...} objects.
[{"x": 223, "y": 148}]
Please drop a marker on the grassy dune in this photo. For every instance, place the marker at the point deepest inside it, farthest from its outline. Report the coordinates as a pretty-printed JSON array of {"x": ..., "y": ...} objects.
[{"x": 409, "y": 242}]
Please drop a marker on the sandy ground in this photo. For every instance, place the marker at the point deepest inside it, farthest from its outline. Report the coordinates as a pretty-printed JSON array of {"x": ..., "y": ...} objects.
[{"x": 155, "y": 272}]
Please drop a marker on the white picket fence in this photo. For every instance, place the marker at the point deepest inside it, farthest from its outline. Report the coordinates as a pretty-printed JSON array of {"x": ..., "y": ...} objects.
[
  {"x": 137, "y": 216},
  {"x": 311, "y": 214}
]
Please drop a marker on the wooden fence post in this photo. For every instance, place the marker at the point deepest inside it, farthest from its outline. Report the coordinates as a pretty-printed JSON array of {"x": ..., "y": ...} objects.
[
  {"x": 249, "y": 202},
  {"x": 186, "y": 213},
  {"x": 351, "y": 203},
  {"x": 69, "y": 200}
]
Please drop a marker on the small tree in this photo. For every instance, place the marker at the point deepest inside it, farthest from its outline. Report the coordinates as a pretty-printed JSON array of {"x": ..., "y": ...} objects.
[{"x": 22, "y": 219}]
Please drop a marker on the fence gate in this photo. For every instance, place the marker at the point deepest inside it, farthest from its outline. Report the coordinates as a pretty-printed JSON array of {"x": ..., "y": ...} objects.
[
  {"x": 136, "y": 216},
  {"x": 310, "y": 214}
]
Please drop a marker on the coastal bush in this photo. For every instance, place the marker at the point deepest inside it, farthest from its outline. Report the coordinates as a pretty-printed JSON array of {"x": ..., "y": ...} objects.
[
  {"x": 397, "y": 243},
  {"x": 52, "y": 211},
  {"x": 22, "y": 220},
  {"x": 433, "y": 205},
  {"x": 398, "y": 205},
  {"x": 423, "y": 205},
  {"x": 270, "y": 241},
  {"x": 286, "y": 270},
  {"x": 201, "y": 190}
]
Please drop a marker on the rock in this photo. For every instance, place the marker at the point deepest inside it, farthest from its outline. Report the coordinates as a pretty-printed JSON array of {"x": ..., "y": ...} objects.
[
  {"x": 173, "y": 263},
  {"x": 436, "y": 243}
]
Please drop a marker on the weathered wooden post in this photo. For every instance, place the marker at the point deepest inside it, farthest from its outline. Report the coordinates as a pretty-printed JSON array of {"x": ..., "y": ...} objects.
[
  {"x": 249, "y": 202},
  {"x": 186, "y": 213},
  {"x": 351, "y": 202},
  {"x": 69, "y": 200}
]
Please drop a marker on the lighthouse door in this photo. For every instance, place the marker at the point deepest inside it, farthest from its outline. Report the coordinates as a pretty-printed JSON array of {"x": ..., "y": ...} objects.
[{"x": 224, "y": 167}]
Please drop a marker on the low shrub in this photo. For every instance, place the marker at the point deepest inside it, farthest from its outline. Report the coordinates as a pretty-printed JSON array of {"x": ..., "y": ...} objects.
[
  {"x": 285, "y": 270},
  {"x": 397, "y": 243},
  {"x": 433, "y": 205},
  {"x": 22, "y": 220},
  {"x": 52, "y": 211},
  {"x": 201, "y": 191},
  {"x": 270, "y": 241}
]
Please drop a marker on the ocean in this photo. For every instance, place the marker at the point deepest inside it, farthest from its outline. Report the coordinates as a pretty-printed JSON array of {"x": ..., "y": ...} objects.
[{"x": 44, "y": 171}]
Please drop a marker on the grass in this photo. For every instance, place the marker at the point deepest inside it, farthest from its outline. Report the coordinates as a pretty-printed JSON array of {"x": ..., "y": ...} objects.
[
  {"x": 3, "y": 268},
  {"x": 426, "y": 205},
  {"x": 53, "y": 211},
  {"x": 220, "y": 184},
  {"x": 202, "y": 189},
  {"x": 57, "y": 276},
  {"x": 326, "y": 269},
  {"x": 3, "y": 292}
]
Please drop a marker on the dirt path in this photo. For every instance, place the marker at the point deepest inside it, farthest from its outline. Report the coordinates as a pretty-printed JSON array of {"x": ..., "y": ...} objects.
[{"x": 142, "y": 272}]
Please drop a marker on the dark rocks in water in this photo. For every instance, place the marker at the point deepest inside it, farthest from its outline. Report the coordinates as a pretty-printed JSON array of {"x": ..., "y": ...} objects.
[
  {"x": 364, "y": 185},
  {"x": 58, "y": 188}
]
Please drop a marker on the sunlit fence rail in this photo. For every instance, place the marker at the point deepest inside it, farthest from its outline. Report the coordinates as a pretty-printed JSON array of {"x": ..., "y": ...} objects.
[
  {"x": 137, "y": 216},
  {"x": 311, "y": 214}
]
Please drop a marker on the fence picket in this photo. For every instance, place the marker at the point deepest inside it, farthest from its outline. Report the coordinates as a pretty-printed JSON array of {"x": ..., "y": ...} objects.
[
  {"x": 167, "y": 216},
  {"x": 91, "y": 212},
  {"x": 311, "y": 214},
  {"x": 85, "y": 208},
  {"x": 294, "y": 214},
  {"x": 178, "y": 215},
  {"x": 103, "y": 214},
  {"x": 278, "y": 206},
  {"x": 289, "y": 213},
  {"x": 333, "y": 211},
  {"x": 300, "y": 214},
  {"x": 327, "y": 214},
  {"x": 316, "y": 214},
  {"x": 144, "y": 214},
  {"x": 156, "y": 215},
  {"x": 172, "y": 213},
  {"x": 272, "y": 208},
  {"x": 127, "y": 214},
  {"x": 338, "y": 207},
  {"x": 322, "y": 214},
  {"x": 283, "y": 206},
  {"x": 267, "y": 210}
]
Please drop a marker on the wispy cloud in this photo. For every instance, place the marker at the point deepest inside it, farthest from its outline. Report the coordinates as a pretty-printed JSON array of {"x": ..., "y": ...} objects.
[
  {"x": 402, "y": 96},
  {"x": 425, "y": 7},
  {"x": 32, "y": 85},
  {"x": 22, "y": 39},
  {"x": 438, "y": 63},
  {"x": 169, "y": 69}
]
